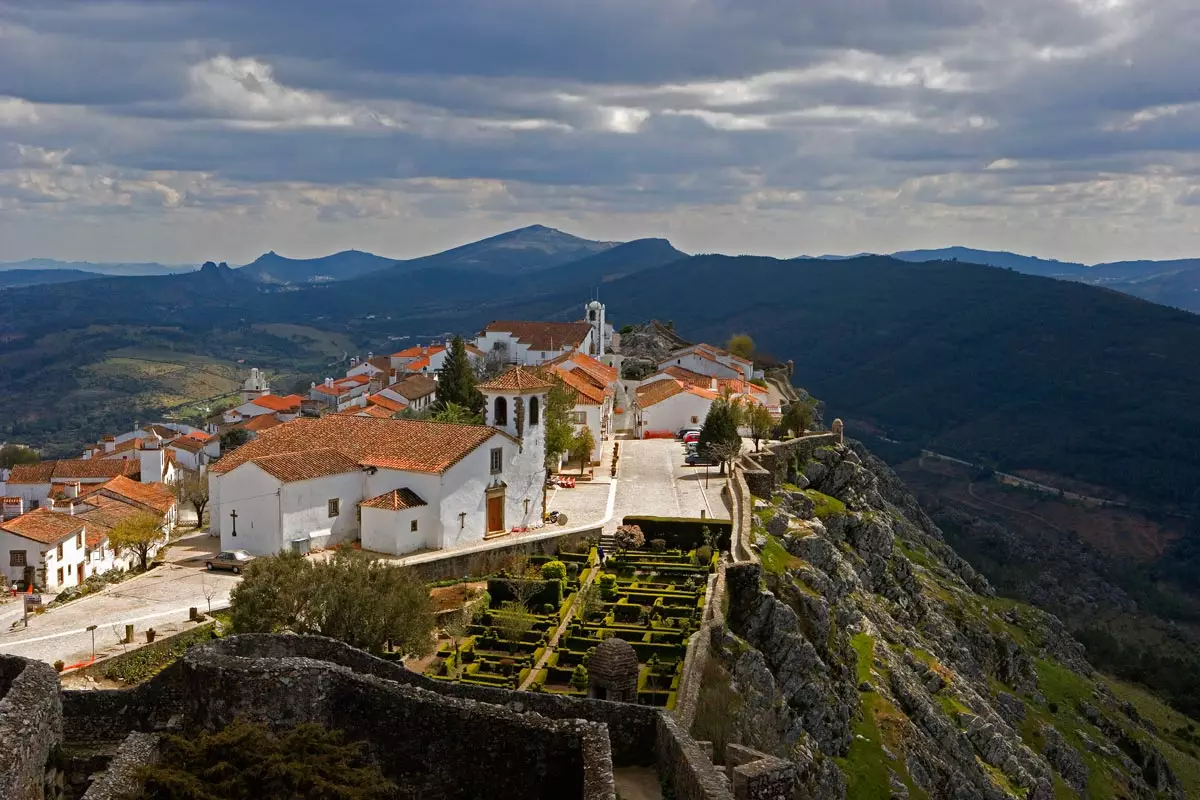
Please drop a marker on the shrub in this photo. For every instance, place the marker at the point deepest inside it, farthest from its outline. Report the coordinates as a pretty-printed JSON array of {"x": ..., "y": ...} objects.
[
  {"x": 59, "y": 666},
  {"x": 579, "y": 678},
  {"x": 658, "y": 545},
  {"x": 629, "y": 537},
  {"x": 554, "y": 570},
  {"x": 684, "y": 533},
  {"x": 547, "y": 609},
  {"x": 572, "y": 570},
  {"x": 703, "y": 555}
]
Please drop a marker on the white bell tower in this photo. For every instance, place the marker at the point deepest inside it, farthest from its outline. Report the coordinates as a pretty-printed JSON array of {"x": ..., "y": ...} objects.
[{"x": 595, "y": 318}]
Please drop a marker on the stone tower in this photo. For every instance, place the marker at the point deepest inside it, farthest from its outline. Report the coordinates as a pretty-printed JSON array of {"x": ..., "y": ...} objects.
[{"x": 595, "y": 318}]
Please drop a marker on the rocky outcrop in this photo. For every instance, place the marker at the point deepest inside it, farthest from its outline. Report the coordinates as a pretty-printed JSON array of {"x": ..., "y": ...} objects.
[{"x": 864, "y": 650}]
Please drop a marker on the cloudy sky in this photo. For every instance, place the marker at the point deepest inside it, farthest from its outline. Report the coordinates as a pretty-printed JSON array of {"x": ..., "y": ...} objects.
[{"x": 181, "y": 131}]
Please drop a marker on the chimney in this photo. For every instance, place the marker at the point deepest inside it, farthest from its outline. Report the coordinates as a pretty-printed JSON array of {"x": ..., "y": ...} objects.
[
  {"x": 72, "y": 489},
  {"x": 712, "y": 384},
  {"x": 12, "y": 507},
  {"x": 153, "y": 461},
  {"x": 329, "y": 383},
  {"x": 110, "y": 444},
  {"x": 370, "y": 355}
]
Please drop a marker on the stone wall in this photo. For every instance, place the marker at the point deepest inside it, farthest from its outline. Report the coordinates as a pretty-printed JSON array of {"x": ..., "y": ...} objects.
[
  {"x": 485, "y": 561},
  {"x": 120, "y": 779},
  {"x": 30, "y": 730},
  {"x": 758, "y": 776},
  {"x": 774, "y": 458},
  {"x": 686, "y": 766}
]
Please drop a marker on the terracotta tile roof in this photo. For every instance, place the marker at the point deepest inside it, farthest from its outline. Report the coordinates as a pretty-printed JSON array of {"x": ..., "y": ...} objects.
[
  {"x": 381, "y": 363},
  {"x": 404, "y": 444},
  {"x": 543, "y": 335},
  {"x": 107, "y": 511},
  {"x": 740, "y": 386},
  {"x": 383, "y": 401},
  {"x": 289, "y": 467},
  {"x": 395, "y": 500},
  {"x": 586, "y": 393},
  {"x": 416, "y": 365},
  {"x": 263, "y": 422},
  {"x": 716, "y": 353},
  {"x": 378, "y": 412},
  {"x": 517, "y": 379},
  {"x": 201, "y": 436},
  {"x": 414, "y": 387},
  {"x": 597, "y": 371},
  {"x": 653, "y": 393},
  {"x": 707, "y": 394},
  {"x": 73, "y": 469},
  {"x": 342, "y": 385},
  {"x": 43, "y": 525},
  {"x": 157, "y": 496},
  {"x": 189, "y": 444},
  {"x": 273, "y": 402},
  {"x": 418, "y": 350},
  {"x": 688, "y": 376}
]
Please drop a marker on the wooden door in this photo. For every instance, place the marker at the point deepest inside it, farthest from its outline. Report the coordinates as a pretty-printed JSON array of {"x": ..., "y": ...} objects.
[
  {"x": 80, "y": 580},
  {"x": 495, "y": 513}
]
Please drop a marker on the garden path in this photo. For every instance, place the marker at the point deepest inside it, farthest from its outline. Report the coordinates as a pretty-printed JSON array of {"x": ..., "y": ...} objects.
[{"x": 553, "y": 643}]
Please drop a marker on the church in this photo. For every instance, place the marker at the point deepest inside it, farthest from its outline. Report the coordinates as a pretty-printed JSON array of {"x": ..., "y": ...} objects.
[
  {"x": 396, "y": 486},
  {"x": 533, "y": 343}
]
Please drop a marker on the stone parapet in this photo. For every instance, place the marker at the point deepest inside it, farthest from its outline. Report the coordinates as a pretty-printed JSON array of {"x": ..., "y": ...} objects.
[
  {"x": 31, "y": 726},
  {"x": 120, "y": 779}
]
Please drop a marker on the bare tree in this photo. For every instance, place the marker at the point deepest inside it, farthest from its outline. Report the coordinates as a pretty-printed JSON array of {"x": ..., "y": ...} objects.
[
  {"x": 522, "y": 580},
  {"x": 210, "y": 591},
  {"x": 725, "y": 451},
  {"x": 193, "y": 488}
]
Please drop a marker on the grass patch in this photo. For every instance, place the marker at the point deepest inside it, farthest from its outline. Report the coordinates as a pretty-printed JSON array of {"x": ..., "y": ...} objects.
[
  {"x": 864, "y": 649},
  {"x": 824, "y": 505},
  {"x": 776, "y": 559},
  {"x": 148, "y": 661}
]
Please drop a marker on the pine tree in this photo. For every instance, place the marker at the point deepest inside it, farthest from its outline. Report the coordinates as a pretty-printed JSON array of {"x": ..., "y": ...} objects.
[
  {"x": 456, "y": 380},
  {"x": 719, "y": 434}
]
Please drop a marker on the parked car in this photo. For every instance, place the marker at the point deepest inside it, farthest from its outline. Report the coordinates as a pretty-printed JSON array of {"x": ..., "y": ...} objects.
[
  {"x": 233, "y": 560},
  {"x": 691, "y": 436},
  {"x": 700, "y": 460},
  {"x": 683, "y": 432}
]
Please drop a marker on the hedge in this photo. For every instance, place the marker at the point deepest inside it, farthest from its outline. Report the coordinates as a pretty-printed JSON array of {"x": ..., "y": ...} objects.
[
  {"x": 148, "y": 660},
  {"x": 551, "y": 592},
  {"x": 683, "y": 533}
]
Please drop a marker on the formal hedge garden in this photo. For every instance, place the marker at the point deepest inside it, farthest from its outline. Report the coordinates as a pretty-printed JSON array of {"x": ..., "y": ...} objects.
[{"x": 652, "y": 597}]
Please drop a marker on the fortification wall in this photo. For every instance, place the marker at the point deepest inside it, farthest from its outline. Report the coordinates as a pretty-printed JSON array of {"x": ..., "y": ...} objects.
[
  {"x": 30, "y": 730},
  {"x": 487, "y": 558}
]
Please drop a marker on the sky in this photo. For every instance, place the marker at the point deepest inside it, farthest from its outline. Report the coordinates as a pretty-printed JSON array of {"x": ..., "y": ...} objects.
[{"x": 181, "y": 131}]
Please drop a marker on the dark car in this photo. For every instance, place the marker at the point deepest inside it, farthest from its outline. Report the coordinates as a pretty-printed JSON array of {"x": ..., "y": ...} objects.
[
  {"x": 233, "y": 560},
  {"x": 682, "y": 432},
  {"x": 700, "y": 460}
]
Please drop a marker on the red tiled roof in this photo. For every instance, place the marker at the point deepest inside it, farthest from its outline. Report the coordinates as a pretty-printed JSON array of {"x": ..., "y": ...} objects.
[
  {"x": 276, "y": 403},
  {"x": 689, "y": 376},
  {"x": 707, "y": 394},
  {"x": 586, "y": 393},
  {"x": 367, "y": 411},
  {"x": 157, "y": 496},
  {"x": 72, "y": 469},
  {"x": 740, "y": 386},
  {"x": 415, "y": 445},
  {"x": 597, "y": 371},
  {"x": 43, "y": 525},
  {"x": 419, "y": 350},
  {"x": 395, "y": 500},
  {"x": 517, "y": 379},
  {"x": 653, "y": 393},
  {"x": 190, "y": 444},
  {"x": 418, "y": 364},
  {"x": 201, "y": 436},
  {"x": 263, "y": 422},
  {"x": 414, "y": 387},
  {"x": 543, "y": 335},
  {"x": 289, "y": 467},
  {"x": 383, "y": 401}
]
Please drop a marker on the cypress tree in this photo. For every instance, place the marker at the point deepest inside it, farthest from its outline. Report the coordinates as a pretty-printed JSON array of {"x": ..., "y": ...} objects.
[{"x": 456, "y": 380}]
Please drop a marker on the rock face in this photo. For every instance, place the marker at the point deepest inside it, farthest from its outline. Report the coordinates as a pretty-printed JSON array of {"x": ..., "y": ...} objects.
[{"x": 881, "y": 664}]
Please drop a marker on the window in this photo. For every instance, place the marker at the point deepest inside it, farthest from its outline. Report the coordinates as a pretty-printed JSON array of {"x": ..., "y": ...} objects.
[
  {"x": 60, "y": 555},
  {"x": 500, "y": 412},
  {"x": 16, "y": 558},
  {"x": 579, "y": 417},
  {"x": 59, "y": 581},
  {"x": 497, "y": 459},
  {"x": 695, "y": 420},
  {"x": 78, "y": 540},
  {"x": 533, "y": 411},
  {"x": 335, "y": 507},
  {"x": 35, "y": 504},
  {"x": 412, "y": 526}
]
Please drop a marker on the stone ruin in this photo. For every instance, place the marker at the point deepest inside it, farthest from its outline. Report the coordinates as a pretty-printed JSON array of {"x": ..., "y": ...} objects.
[
  {"x": 435, "y": 739},
  {"x": 613, "y": 672}
]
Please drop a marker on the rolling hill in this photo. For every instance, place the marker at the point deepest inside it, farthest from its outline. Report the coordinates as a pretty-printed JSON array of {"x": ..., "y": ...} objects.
[
  {"x": 276, "y": 269},
  {"x": 33, "y": 277},
  {"x": 99, "y": 268}
]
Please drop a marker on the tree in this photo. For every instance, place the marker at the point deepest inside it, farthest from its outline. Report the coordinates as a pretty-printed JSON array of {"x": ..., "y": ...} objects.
[
  {"x": 455, "y": 629},
  {"x": 797, "y": 417},
  {"x": 138, "y": 533},
  {"x": 233, "y": 438},
  {"x": 719, "y": 434},
  {"x": 629, "y": 537},
  {"x": 740, "y": 344},
  {"x": 490, "y": 366},
  {"x": 193, "y": 488},
  {"x": 246, "y": 761},
  {"x": 350, "y": 597},
  {"x": 13, "y": 454},
  {"x": 556, "y": 416},
  {"x": 513, "y": 620},
  {"x": 582, "y": 445},
  {"x": 522, "y": 579},
  {"x": 760, "y": 422},
  {"x": 456, "y": 380},
  {"x": 460, "y": 415}
]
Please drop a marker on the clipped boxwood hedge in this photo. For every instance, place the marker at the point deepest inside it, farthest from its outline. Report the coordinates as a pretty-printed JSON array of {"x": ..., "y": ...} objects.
[{"x": 683, "y": 533}]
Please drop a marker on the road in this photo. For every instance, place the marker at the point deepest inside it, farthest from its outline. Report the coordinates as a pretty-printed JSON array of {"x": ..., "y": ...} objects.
[{"x": 158, "y": 597}]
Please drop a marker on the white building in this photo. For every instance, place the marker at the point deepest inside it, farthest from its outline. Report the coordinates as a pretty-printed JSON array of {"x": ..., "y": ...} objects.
[
  {"x": 595, "y": 385},
  {"x": 428, "y": 359},
  {"x": 712, "y": 361},
  {"x": 666, "y": 405},
  {"x": 602, "y": 331},
  {"x": 303, "y": 484},
  {"x": 44, "y": 548},
  {"x": 531, "y": 343},
  {"x": 341, "y": 393},
  {"x": 36, "y": 484},
  {"x": 283, "y": 407},
  {"x": 254, "y": 385}
]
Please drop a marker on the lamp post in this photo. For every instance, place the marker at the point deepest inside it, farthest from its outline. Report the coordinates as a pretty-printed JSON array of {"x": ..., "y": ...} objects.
[{"x": 92, "y": 630}]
